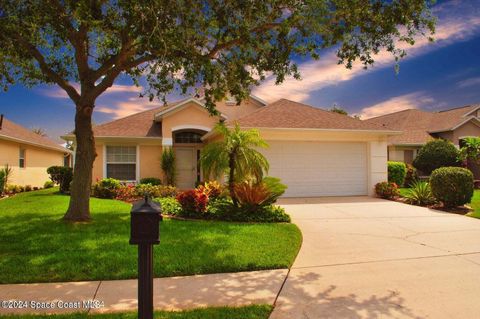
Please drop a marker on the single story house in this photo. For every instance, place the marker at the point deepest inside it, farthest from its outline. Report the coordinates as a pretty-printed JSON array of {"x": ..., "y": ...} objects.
[
  {"x": 421, "y": 126},
  {"x": 315, "y": 152},
  {"x": 29, "y": 154}
]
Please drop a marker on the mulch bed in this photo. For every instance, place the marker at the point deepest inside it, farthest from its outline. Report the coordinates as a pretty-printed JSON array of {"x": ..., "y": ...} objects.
[{"x": 461, "y": 210}]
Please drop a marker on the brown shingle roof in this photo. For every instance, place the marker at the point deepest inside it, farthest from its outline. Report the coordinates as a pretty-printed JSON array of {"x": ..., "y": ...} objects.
[
  {"x": 136, "y": 125},
  {"x": 416, "y": 124},
  {"x": 289, "y": 114},
  {"x": 11, "y": 130}
]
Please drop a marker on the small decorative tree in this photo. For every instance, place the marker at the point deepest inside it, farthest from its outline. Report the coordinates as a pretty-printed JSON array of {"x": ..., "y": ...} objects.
[
  {"x": 168, "y": 165},
  {"x": 235, "y": 155},
  {"x": 5, "y": 174},
  {"x": 470, "y": 151}
]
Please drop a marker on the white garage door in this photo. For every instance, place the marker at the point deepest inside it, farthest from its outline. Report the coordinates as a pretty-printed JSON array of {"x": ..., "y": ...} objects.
[{"x": 319, "y": 168}]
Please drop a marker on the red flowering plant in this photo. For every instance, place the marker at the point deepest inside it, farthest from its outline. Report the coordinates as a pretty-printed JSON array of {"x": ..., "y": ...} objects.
[
  {"x": 127, "y": 193},
  {"x": 194, "y": 202},
  {"x": 387, "y": 190}
]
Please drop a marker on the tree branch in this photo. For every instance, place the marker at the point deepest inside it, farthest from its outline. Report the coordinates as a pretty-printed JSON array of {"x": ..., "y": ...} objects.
[
  {"x": 226, "y": 45},
  {"x": 79, "y": 39},
  {"x": 51, "y": 74}
]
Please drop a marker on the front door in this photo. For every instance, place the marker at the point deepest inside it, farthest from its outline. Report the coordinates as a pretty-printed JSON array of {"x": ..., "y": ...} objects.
[{"x": 186, "y": 158}]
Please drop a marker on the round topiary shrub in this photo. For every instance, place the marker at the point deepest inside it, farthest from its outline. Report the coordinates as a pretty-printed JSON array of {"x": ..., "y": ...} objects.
[
  {"x": 435, "y": 154},
  {"x": 397, "y": 172},
  {"x": 106, "y": 188},
  {"x": 453, "y": 186}
]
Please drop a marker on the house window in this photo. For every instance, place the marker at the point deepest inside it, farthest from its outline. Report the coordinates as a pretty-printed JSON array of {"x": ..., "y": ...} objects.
[
  {"x": 21, "y": 158},
  {"x": 188, "y": 137},
  {"x": 121, "y": 162}
]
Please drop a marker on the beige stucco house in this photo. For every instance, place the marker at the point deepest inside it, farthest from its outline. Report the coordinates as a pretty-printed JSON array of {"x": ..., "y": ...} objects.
[
  {"x": 420, "y": 126},
  {"x": 315, "y": 152},
  {"x": 28, "y": 154}
]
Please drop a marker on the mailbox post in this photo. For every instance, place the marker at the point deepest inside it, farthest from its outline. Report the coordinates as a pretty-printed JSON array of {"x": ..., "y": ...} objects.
[{"x": 144, "y": 232}]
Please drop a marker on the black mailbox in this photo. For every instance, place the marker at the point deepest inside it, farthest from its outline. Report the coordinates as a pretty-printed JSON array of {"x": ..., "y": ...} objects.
[{"x": 144, "y": 223}]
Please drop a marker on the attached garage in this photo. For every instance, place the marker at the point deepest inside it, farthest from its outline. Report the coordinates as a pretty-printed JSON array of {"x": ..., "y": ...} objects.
[
  {"x": 319, "y": 168},
  {"x": 317, "y": 152}
]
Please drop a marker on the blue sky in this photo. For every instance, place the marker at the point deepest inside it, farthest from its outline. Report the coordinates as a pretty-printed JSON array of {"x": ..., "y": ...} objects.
[{"x": 433, "y": 76}]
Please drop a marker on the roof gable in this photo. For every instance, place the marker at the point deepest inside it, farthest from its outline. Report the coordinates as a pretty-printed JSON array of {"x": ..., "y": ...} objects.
[
  {"x": 418, "y": 124},
  {"x": 14, "y": 132}
]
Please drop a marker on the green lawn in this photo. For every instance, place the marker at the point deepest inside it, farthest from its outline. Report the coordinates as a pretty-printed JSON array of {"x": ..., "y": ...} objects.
[
  {"x": 475, "y": 204},
  {"x": 250, "y": 312},
  {"x": 36, "y": 246}
]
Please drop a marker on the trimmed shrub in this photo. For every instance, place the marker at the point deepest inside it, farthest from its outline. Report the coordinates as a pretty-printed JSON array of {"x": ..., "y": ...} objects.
[
  {"x": 146, "y": 189},
  {"x": 411, "y": 176},
  {"x": 106, "y": 188},
  {"x": 48, "y": 184},
  {"x": 397, "y": 172},
  {"x": 213, "y": 189},
  {"x": 170, "y": 206},
  {"x": 194, "y": 202},
  {"x": 62, "y": 176},
  {"x": 386, "y": 190},
  {"x": 127, "y": 193},
  {"x": 453, "y": 186},
  {"x": 28, "y": 188},
  {"x": 435, "y": 154},
  {"x": 151, "y": 180},
  {"x": 420, "y": 194},
  {"x": 223, "y": 209},
  {"x": 166, "y": 191}
]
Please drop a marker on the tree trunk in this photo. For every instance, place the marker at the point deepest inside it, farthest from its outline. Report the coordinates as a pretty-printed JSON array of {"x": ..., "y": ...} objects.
[
  {"x": 231, "y": 179},
  {"x": 79, "y": 207}
]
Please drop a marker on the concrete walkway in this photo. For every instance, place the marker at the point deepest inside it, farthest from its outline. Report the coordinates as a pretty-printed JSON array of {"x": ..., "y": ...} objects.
[
  {"x": 174, "y": 293},
  {"x": 369, "y": 258}
]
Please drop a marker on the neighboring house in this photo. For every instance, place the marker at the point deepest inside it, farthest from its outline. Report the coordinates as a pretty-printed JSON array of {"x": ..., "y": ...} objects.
[
  {"x": 28, "y": 154},
  {"x": 315, "y": 152},
  {"x": 421, "y": 126}
]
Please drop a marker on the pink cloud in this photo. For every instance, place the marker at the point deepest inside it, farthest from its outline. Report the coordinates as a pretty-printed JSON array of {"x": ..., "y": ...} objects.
[
  {"x": 413, "y": 100},
  {"x": 458, "y": 21},
  {"x": 124, "y": 108},
  {"x": 59, "y": 93}
]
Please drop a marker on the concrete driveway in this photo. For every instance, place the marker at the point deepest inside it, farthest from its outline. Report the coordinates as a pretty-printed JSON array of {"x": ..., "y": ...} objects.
[{"x": 370, "y": 258}]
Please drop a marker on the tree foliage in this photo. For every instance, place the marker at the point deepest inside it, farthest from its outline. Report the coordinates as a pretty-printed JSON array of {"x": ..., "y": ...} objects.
[
  {"x": 470, "y": 150},
  {"x": 435, "y": 154},
  {"x": 226, "y": 47},
  {"x": 223, "y": 45},
  {"x": 339, "y": 110}
]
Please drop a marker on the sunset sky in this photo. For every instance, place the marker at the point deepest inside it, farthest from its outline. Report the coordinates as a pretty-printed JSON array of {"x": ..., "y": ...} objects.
[{"x": 434, "y": 76}]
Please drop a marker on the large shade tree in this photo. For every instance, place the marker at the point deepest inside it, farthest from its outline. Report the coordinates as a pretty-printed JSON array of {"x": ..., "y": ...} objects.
[{"x": 225, "y": 46}]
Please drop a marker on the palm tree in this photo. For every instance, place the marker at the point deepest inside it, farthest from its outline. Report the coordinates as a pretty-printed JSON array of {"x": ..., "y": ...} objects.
[
  {"x": 470, "y": 149},
  {"x": 236, "y": 155}
]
